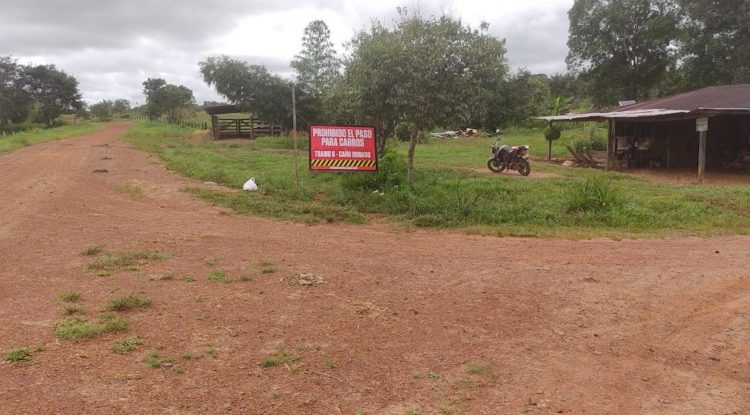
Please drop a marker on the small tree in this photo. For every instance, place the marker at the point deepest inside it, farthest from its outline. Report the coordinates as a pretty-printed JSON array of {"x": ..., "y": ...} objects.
[
  {"x": 551, "y": 134},
  {"x": 102, "y": 111}
]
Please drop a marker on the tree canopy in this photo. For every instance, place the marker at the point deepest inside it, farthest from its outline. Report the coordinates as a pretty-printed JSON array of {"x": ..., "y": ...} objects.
[{"x": 165, "y": 99}]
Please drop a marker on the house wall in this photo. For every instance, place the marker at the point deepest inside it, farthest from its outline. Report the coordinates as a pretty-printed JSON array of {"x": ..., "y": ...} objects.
[{"x": 675, "y": 143}]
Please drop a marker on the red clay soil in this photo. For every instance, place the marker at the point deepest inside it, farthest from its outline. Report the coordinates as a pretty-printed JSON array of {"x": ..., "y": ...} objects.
[{"x": 406, "y": 322}]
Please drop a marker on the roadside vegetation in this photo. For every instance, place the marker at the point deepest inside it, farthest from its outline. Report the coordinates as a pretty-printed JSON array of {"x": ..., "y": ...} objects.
[
  {"x": 450, "y": 189},
  {"x": 12, "y": 142}
]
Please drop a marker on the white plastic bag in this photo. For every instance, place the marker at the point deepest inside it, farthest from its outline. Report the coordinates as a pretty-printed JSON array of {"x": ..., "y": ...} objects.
[{"x": 250, "y": 185}]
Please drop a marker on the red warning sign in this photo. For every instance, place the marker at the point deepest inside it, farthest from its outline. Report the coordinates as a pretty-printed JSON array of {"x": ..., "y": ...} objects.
[{"x": 342, "y": 148}]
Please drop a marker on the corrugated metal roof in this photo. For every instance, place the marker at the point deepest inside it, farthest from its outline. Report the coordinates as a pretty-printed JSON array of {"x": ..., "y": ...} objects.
[
  {"x": 601, "y": 116},
  {"x": 715, "y": 97},
  {"x": 733, "y": 99}
]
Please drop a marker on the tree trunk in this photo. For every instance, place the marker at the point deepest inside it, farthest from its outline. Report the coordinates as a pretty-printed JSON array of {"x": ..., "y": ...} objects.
[
  {"x": 410, "y": 154},
  {"x": 549, "y": 150}
]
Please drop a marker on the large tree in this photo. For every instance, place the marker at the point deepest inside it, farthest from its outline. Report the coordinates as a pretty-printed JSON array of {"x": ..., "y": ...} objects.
[
  {"x": 428, "y": 71},
  {"x": 715, "y": 42},
  {"x": 15, "y": 101},
  {"x": 316, "y": 66},
  {"x": 622, "y": 47},
  {"x": 54, "y": 92},
  {"x": 251, "y": 87}
]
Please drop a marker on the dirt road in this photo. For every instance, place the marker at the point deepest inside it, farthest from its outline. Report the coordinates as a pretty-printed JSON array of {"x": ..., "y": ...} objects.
[{"x": 427, "y": 322}]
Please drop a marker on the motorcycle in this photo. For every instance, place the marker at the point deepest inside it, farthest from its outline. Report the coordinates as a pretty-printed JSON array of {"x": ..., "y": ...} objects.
[{"x": 509, "y": 158}]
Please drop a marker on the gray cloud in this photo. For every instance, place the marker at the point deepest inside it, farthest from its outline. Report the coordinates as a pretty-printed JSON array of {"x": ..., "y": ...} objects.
[
  {"x": 111, "y": 47},
  {"x": 536, "y": 39}
]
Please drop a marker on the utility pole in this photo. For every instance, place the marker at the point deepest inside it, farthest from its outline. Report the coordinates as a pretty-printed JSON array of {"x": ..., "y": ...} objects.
[{"x": 294, "y": 134}]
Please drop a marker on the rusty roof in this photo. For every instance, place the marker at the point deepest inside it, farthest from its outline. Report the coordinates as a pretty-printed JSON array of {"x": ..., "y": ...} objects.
[
  {"x": 725, "y": 99},
  {"x": 733, "y": 97}
]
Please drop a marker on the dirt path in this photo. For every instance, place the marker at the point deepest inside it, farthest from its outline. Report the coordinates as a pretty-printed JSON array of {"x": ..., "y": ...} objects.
[{"x": 443, "y": 322}]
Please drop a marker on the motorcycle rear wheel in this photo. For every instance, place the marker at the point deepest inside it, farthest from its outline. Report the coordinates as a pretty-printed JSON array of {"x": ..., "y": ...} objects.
[
  {"x": 493, "y": 165},
  {"x": 524, "y": 167}
]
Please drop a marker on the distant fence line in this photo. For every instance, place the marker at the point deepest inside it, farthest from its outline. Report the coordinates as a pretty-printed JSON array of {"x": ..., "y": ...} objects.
[{"x": 173, "y": 121}]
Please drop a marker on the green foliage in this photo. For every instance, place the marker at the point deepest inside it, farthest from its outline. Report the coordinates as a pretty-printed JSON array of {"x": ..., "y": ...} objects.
[
  {"x": 281, "y": 357},
  {"x": 715, "y": 42},
  {"x": 596, "y": 194},
  {"x": 18, "y": 355},
  {"x": 129, "y": 260},
  {"x": 522, "y": 96},
  {"x": 15, "y": 100},
  {"x": 36, "y": 136},
  {"x": 316, "y": 66},
  {"x": 127, "y": 303},
  {"x": 217, "y": 276},
  {"x": 391, "y": 174},
  {"x": 70, "y": 296},
  {"x": 403, "y": 131},
  {"x": 79, "y": 328},
  {"x": 53, "y": 91},
  {"x": 622, "y": 47},
  {"x": 156, "y": 360},
  {"x": 102, "y": 111},
  {"x": 252, "y": 88},
  {"x": 125, "y": 346},
  {"x": 447, "y": 193},
  {"x": 552, "y": 133},
  {"x": 165, "y": 99}
]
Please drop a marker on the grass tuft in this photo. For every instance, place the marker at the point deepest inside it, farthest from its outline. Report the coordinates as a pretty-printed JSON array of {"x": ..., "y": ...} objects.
[
  {"x": 157, "y": 360},
  {"x": 281, "y": 357},
  {"x": 93, "y": 250},
  {"x": 18, "y": 355},
  {"x": 70, "y": 296},
  {"x": 130, "y": 261},
  {"x": 127, "y": 303},
  {"x": 79, "y": 328},
  {"x": 217, "y": 276},
  {"x": 73, "y": 309},
  {"x": 124, "y": 346}
]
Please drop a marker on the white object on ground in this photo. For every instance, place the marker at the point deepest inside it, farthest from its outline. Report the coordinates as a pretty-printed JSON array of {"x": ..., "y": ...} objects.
[{"x": 250, "y": 185}]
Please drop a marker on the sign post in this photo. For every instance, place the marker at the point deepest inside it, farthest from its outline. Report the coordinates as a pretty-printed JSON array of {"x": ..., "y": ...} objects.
[
  {"x": 701, "y": 125},
  {"x": 343, "y": 148}
]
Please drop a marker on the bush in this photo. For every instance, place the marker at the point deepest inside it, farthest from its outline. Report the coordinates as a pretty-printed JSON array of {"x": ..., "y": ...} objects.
[
  {"x": 391, "y": 173},
  {"x": 552, "y": 133},
  {"x": 596, "y": 194}
]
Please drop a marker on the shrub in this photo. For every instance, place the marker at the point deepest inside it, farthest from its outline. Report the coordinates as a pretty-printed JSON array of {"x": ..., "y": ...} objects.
[
  {"x": 403, "y": 131},
  {"x": 391, "y": 173},
  {"x": 596, "y": 194},
  {"x": 552, "y": 133}
]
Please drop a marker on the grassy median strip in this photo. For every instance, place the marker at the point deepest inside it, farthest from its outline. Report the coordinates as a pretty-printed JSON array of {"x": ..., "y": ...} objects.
[
  {"x": 447, "y": 191},
  {"x": 15, "y": 141}
]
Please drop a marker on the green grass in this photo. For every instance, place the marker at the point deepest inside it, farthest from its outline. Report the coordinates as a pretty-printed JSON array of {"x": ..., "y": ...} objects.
[
  {"x": 156, "y": 360},
  {"x": 20, "y": 354},
  {"x": 110, "y": 262},
  {"x": 217, "y": 276},
  {"x": 80, "y": 328},
  {"x": 13, "y": 142},
  {"x": 127, "y": 345},
  {"x": 70, "y": 296},
  {"x": 476, "y": 369},
  {"x": 448, "y": 193},
  {"x": 127, "y": 303},
  {"x": 73, "y": 309},
  {"x": 281, "y": 357}
]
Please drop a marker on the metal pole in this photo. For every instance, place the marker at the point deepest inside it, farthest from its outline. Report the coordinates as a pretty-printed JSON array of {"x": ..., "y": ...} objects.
[
  {"x": 702, "y": 157},
  {"x": 294, "y": 134}
]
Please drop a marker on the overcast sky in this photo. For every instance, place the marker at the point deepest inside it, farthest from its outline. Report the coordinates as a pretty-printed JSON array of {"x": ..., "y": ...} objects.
[{"x": 111, "y": 47}]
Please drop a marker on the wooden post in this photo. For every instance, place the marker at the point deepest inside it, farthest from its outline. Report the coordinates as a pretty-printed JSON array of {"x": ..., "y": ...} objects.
[
  {"x": 702, "y": 157},
  {"x": 701, "y": 125},
  {"x": 294, "y": 135},
  {"x": 610, "y": 134}
]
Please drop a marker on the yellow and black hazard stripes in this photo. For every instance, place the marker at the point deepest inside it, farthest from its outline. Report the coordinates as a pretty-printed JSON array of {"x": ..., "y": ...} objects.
[{"x": 342, "y": 163}]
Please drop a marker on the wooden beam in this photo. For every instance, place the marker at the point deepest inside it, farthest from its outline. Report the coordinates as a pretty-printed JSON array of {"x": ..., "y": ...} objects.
[{"x": 702, "y": 157}]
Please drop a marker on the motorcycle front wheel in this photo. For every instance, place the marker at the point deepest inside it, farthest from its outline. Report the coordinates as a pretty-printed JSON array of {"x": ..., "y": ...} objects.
[
  {"x": 494, "y": 166},
  {"x": 523, "y": 167}
]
